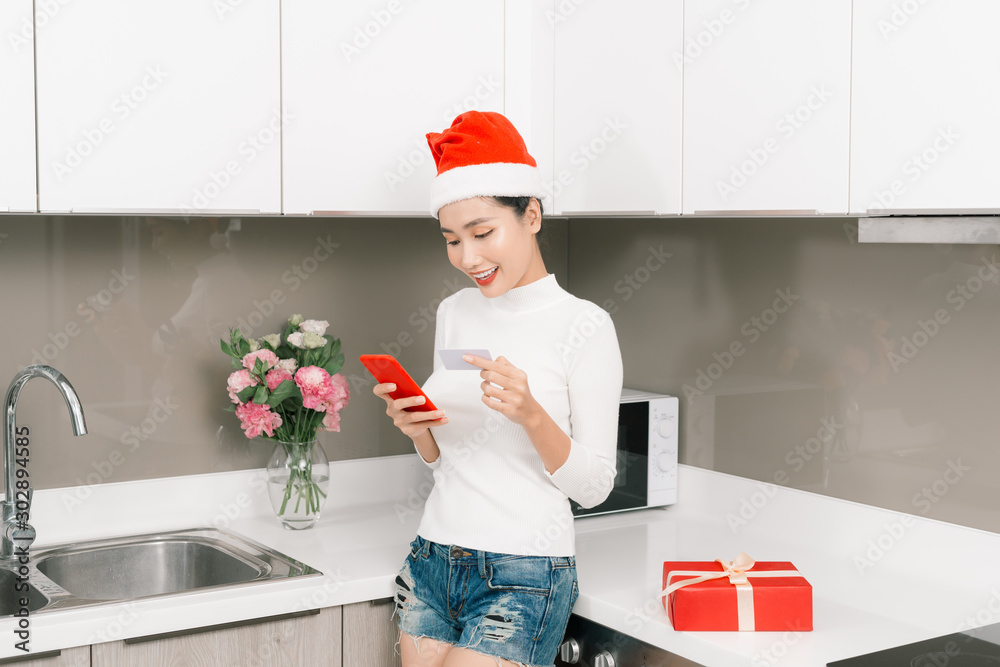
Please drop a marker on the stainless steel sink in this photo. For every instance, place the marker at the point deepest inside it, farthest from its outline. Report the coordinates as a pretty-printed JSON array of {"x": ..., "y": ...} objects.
[
  {"x": 155, "y": 567},
  {"x": 143, "y": 566},
  {"x": 10, "y": 601}
]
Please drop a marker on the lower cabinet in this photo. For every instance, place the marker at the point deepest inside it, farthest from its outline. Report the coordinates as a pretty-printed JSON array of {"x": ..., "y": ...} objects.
[
  {"x": 355, "y": 635},
  {"x": 313, "y": 639},
  {"x": 68, "y": 657},
  {"x": 364, "y": 634},
  {"x": 371, "y": 634}
]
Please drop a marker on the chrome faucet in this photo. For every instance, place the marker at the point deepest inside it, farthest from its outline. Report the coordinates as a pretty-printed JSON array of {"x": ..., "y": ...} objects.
[{"x": 16, "y": 530}]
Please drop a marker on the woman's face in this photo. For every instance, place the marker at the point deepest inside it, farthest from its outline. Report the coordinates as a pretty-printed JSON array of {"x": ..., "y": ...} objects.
[{"x": 482, "y": 235}]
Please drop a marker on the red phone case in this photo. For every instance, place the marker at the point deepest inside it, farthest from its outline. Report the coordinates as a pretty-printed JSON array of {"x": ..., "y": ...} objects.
[{"x": 385, "y": 368}]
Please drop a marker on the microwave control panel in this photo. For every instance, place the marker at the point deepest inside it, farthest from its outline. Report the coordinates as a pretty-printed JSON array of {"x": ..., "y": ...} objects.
[{"x": 662, "y": 450}]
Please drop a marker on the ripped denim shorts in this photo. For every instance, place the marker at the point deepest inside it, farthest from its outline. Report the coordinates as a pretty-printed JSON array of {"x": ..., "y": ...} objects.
[{"x": 509, "y": 606}]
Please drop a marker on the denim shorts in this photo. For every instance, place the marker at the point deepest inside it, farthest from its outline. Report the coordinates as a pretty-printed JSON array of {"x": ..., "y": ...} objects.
[{"x": 510, "y": 606}]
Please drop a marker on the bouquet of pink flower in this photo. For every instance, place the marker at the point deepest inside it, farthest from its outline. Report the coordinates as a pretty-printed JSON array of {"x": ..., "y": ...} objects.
[{"x": 287, "y": 387}]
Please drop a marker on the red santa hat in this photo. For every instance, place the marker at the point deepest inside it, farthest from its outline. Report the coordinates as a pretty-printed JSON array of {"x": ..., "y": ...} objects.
[{"x": 481, "y": 154}]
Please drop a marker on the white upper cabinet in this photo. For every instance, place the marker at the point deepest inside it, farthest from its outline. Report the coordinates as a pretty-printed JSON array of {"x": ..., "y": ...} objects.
[
  {"x": 632, "y": 107},
  {"x": 528, "y": 80},
  {"x": 364, "y": 82},
  {"x": 766, "y": 105},
  {"x": 926, "y": 105},
  {"x": 169, "y": 106},
  {"x": 17, "y": 107},
  {"x": 617, "y": 107}
]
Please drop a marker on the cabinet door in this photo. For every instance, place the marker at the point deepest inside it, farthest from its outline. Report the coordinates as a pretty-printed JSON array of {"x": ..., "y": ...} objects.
[
  {"x": 926, "y": 99},
  {"x": 67, "y": 657},
  {"x": 370, "y": 634},
  {"x": 528, "y": 80},
  {"x": 160, "y": 105},
  {"x": 17, "y": 107},
  {"x": 364, "y": 81},
  {"x": 304, "y": 640},
  {"x": 766, "y": 105},
  {"x": 617, "y": 108}
]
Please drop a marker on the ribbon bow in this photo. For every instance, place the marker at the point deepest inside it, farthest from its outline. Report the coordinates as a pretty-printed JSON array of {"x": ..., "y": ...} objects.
[{"x": 736, "y": 571}]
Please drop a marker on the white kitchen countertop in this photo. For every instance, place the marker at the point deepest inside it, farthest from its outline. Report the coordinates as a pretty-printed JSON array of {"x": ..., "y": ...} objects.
[{"x": 879, "y": 579}]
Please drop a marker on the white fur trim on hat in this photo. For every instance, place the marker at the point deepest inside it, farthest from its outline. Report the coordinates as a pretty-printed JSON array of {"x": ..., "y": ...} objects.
[{"x": 497, "y": 179}]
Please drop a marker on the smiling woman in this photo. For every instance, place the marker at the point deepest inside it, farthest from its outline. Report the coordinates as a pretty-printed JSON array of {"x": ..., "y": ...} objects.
[
  {"x": 494, "y": 245},
  {"x": 536, "y": 427}
]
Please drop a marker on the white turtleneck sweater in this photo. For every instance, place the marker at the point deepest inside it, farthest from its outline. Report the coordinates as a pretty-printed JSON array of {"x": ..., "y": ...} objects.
[{"x": 491, "y": 490}]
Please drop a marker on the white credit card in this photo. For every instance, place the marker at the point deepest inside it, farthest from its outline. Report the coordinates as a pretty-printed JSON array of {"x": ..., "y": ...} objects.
[{"x": 453, "y": 361}]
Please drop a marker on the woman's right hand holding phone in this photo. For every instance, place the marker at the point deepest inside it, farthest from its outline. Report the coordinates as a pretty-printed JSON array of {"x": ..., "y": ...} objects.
[{"x": 414, "y": 424}]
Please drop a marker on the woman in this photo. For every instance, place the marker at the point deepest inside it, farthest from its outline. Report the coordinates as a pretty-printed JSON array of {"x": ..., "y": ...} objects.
[{"x": 491, "y": 576}]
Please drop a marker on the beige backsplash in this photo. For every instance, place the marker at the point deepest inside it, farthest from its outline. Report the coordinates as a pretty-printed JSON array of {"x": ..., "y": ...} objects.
[
  {"x": 131, "y": 311},
  {"x": 773, "y": 332}
]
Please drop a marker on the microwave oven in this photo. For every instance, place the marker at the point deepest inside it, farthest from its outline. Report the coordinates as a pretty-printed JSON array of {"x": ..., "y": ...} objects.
[{"x": 646, "y": 467}]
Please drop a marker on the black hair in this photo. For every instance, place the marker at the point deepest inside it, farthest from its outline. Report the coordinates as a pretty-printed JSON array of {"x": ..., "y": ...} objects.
[{"x": 520, "y": 205}]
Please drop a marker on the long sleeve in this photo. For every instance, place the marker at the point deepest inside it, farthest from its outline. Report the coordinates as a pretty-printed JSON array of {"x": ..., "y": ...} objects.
[{"x": 595, "y": 376}]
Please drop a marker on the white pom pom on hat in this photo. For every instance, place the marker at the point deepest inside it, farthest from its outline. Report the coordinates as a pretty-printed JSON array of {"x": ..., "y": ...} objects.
[{"x": 481, "y": 154}]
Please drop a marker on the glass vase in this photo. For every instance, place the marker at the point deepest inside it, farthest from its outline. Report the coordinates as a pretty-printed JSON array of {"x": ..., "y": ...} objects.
[{"x": 298, "y": 477}]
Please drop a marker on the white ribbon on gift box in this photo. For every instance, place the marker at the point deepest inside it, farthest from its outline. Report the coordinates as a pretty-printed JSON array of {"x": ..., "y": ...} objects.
[{"x": 737, "y": 571}]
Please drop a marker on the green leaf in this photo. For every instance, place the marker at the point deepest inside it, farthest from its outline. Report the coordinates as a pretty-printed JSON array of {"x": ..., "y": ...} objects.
[
  {"x": 330, "y": 351},
  {"x": 260, "y": 397},
  {"x": 225, "y": 347},
  {"x": 335, "y": 364},
  {"x": 245, "y": 394},
  {"x": 259, "y": 369},
  {"x": 284, "y": 390},
  {"x": 239, "y": 343},
  {"x": 230, "y": 408}
]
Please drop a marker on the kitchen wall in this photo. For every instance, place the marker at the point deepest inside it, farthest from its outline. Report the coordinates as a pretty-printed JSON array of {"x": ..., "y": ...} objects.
[
  {"x": 131, "y": 310},
  {"x": 867, "y": 372}
]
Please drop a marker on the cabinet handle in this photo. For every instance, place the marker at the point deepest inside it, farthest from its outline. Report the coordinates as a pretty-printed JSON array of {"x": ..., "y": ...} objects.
[
  {"x": 382, "y": 601},
  {"x": 31, "y": 656},
  {"x": 964, "y": 229},
  {"x": 166, "y": 211},
  {"x": 929, "y": 212},
  {"x": 760, "y": 212},
  {"x": 373, "y": 214},
  {"x": 221, "y": 626},
  {"x": 605, "y": 214}
]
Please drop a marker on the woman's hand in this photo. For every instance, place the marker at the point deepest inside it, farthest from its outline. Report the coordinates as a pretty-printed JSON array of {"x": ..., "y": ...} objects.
[
  {"x": 511, "y": 398},
  {"x": 413, "y": 424}
]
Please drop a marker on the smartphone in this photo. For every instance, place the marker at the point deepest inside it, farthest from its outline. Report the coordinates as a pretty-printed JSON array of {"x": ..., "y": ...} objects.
[{"x": 385, "y": 368}]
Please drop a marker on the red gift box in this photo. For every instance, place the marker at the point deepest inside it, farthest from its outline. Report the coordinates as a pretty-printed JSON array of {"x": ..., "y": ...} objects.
[{"x": 736, "y": 595}]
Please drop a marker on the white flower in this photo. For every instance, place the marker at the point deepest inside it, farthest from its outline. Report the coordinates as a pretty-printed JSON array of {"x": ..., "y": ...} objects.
[
  {"x": 295, "y": 339},
  {"x": 317, "y": 327},
  {"x": 272, "y": 340},
  {"x": 254, "y": 345},
  {"x": 311, "y": 341},
  {"x": 289, "y": 365},
  {"x": 295, "y": 320}
]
